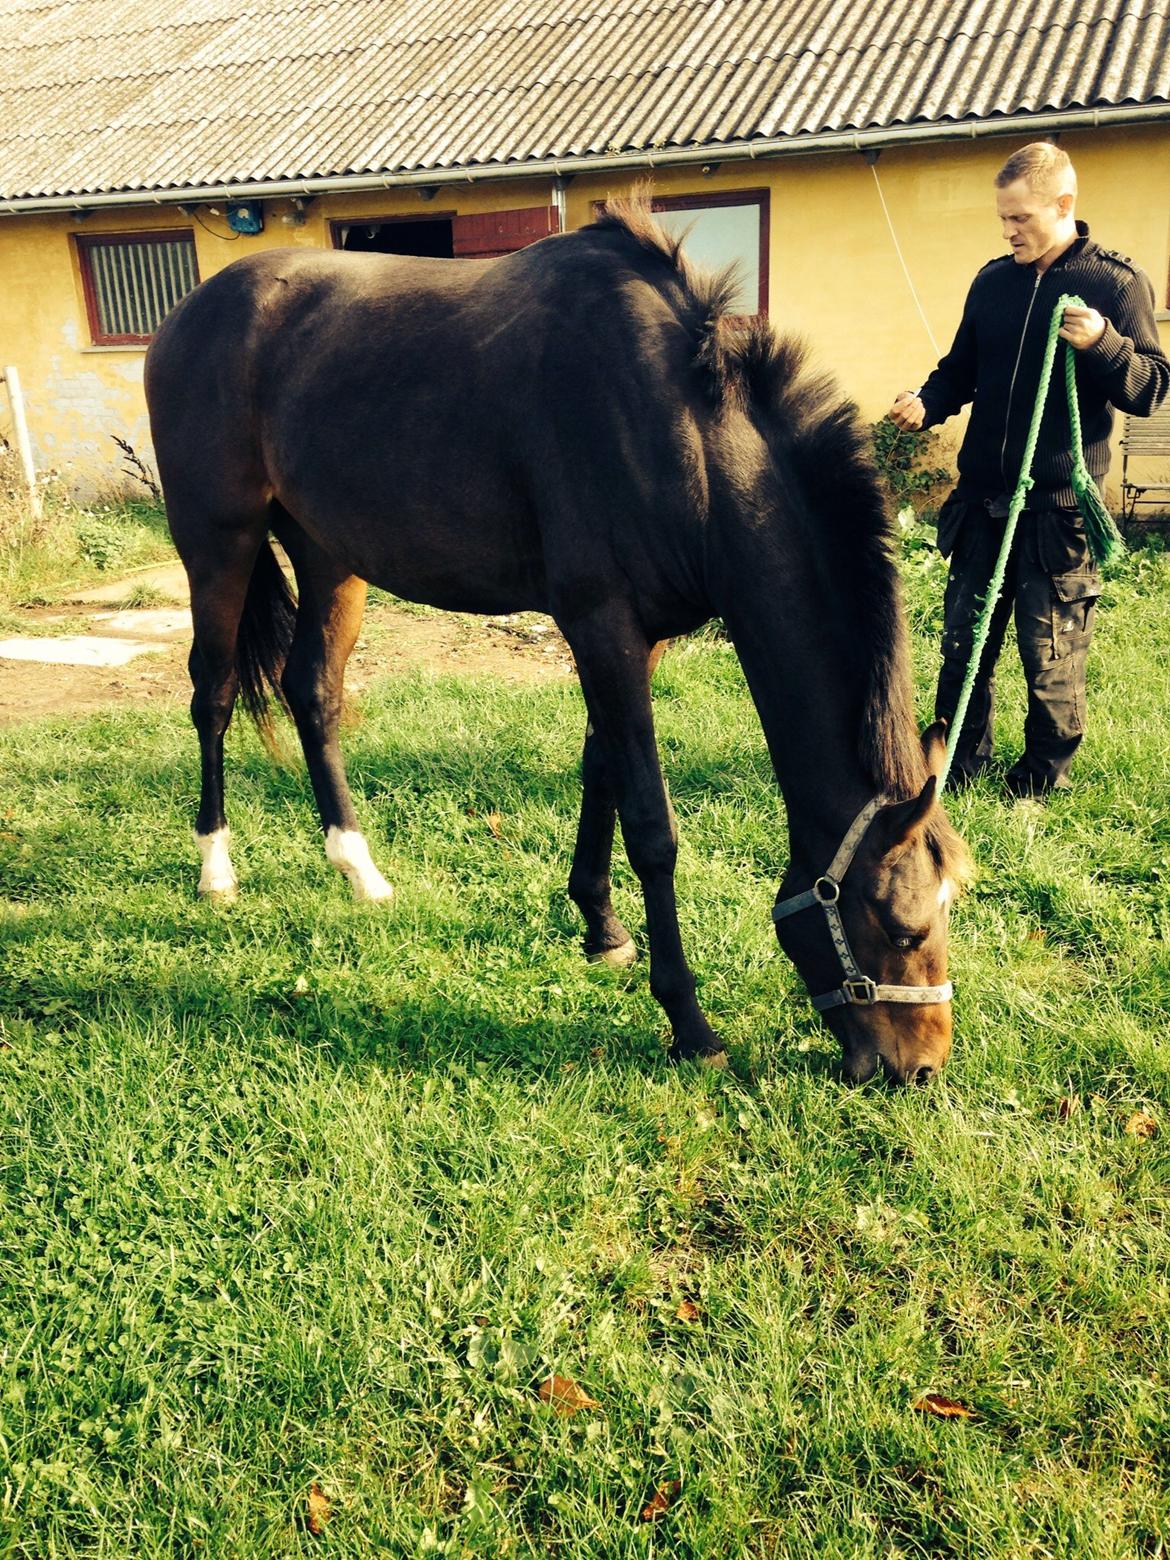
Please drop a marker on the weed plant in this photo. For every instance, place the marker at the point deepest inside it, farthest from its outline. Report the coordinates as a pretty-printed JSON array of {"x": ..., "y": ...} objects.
[
  {"x": 301, "y": 1193},
  {"x": 71, "y": 544}
]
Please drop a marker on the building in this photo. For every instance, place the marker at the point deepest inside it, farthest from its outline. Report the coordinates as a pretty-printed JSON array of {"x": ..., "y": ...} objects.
[{"x": 143, "y": 147}]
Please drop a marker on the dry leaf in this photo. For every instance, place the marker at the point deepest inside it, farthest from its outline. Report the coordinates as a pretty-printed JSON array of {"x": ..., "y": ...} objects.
[
  {"x": 1068, "y": 1106},
  {"x": 1141, "y": 1125},
  {"x": 564, "y": 1396},
  {"x": 495, "y": 823},
  {"x": 661, "y": 1501},
  {"x": 941, "y": 1407},
  {"x": 688, "y": 1311},
  {"x": 318, "y": 1509}
]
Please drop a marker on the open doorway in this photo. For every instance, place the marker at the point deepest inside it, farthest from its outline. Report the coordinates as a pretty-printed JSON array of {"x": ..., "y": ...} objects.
[
  {"x": 473, "y": 236},
  {"x": 397, "y": 235}
]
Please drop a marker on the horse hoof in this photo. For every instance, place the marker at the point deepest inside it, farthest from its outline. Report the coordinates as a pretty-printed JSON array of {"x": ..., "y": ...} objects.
[
  {"x": 220, "y": 893},
  {"x": 617, "y": 958},
  {"x": 718, "y": 1060},
  {"x": 366, "y": 893}
]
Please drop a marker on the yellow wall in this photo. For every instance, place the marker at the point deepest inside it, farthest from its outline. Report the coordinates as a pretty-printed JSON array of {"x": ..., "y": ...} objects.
[{"x": 834, "y": 273}]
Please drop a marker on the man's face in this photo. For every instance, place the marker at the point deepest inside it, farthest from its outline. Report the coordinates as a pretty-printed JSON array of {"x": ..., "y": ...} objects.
[{"x": 1031, "y": 221}]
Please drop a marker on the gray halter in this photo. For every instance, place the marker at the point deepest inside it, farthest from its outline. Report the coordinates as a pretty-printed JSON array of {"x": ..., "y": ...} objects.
[{"x": 856, "y": 989}]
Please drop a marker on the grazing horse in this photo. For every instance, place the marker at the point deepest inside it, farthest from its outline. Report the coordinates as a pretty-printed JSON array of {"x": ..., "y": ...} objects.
[{"x": 570, "y": 430}]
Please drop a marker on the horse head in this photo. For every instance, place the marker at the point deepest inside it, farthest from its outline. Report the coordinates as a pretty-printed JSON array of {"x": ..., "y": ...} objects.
[{"x": 869, "y": 937}]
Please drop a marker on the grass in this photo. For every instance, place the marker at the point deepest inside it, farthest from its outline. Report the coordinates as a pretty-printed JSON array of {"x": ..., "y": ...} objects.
[{"x": 303, "y": 1193}]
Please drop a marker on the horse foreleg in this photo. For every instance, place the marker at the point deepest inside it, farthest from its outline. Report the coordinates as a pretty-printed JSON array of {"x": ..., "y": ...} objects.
[
  {"x": 329, "y": 614},
  {"x": 606, "y": 939},
  {"x": 614, "y": 661}
]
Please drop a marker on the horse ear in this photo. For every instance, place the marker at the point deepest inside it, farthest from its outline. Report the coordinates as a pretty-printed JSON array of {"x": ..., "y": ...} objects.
[
  {"x": 934, "y": 746},
  {"x": 900, "y": 821}
]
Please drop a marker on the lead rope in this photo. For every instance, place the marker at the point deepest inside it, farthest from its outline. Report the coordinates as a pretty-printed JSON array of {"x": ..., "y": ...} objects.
[{"x": 1100, "y": 530}]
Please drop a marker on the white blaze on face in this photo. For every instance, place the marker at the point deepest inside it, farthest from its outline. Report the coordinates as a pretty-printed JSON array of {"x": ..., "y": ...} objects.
[
  {"x": 349, "y": 853},
  {"x": 946, "y": 893},
  {"x": 218, "y": 875}
]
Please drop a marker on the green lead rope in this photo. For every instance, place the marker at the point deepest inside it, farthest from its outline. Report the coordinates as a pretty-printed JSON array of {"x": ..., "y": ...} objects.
[{"x": 1100, "y": 530}]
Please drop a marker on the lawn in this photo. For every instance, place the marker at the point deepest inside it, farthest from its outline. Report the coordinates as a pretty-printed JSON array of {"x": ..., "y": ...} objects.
[{"x": 303, "y": 1201}]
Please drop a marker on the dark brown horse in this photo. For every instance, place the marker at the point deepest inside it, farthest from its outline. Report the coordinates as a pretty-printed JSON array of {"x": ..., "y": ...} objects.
[{"x": 569, "y": 430}]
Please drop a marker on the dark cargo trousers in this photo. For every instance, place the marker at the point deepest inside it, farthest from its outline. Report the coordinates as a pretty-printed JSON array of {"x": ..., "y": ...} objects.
[{"x": 1052, "y": 585}]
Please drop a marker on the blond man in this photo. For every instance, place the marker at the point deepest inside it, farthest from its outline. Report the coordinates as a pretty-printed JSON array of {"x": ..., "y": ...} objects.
[{"x": 994, "y": 364}]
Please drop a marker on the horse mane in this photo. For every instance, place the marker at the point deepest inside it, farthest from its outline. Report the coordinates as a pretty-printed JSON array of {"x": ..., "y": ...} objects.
[
  {"x": 803, "y": 412},
  {"x": 702, "y": 298},
  {"x": 828, "y": 448}
]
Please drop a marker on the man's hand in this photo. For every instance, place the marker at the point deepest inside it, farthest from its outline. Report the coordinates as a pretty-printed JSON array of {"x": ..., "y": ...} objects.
[
  {"x": 1082, "y": 327},
  {"x": 908, "y": 412}
]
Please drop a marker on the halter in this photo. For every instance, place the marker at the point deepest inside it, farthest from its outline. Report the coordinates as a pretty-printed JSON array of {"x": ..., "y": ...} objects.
[{"x": 856, "y": 989}]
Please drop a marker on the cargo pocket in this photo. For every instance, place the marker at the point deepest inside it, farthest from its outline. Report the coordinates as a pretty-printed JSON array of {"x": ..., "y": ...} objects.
[
  {"x": 1064, "y": 547},
  {"x": 950, "y": 523},
  {"x": 1076, "y": 582},
  {"x": 1074, "y": 607}
]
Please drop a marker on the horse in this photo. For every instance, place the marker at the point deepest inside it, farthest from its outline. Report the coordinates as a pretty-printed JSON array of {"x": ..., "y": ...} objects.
[{"x": 580, "y": 428}]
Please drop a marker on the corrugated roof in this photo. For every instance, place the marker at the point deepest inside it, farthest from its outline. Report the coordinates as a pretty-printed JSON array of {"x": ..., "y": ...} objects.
[{"x": 136, "y": 95}]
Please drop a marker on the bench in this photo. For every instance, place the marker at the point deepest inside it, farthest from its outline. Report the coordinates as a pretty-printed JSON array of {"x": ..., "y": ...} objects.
[{"x": 1145, "y": 438}]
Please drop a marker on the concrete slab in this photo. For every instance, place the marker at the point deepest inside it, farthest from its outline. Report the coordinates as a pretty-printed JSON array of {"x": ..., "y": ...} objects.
[
  {"x": 87, "y": 650},
  {"x": 168, "y": 579},
  {"x": 160, "y": 622}
]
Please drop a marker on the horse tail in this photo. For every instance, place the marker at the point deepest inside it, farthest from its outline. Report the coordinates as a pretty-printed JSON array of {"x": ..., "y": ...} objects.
[{"x": 262, "y": 643}]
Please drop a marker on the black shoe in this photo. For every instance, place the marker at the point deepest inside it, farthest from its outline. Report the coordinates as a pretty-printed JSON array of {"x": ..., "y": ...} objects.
[
  {"x": 963, "y": 775},
  {"x": 1025, "y": 784}
]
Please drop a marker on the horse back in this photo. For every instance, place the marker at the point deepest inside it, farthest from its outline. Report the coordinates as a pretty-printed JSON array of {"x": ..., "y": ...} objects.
[{"x": 447, "y": 427}]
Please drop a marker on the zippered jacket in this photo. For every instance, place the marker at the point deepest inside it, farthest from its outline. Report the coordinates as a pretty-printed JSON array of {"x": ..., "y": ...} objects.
[{"x": 998, "y": 352}]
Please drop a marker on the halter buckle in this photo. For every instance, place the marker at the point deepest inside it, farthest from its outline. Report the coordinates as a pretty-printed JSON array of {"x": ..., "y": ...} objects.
[
  {"x": 827, "y": 890},
  {"x": 862, "y": 991}
]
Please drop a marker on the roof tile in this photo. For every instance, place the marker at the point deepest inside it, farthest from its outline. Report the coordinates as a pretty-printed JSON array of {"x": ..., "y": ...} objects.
[{"x": 110, "y": 95}]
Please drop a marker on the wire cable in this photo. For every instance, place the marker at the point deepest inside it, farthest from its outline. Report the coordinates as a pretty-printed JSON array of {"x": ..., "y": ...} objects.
[{"x": 902, "y": 258}]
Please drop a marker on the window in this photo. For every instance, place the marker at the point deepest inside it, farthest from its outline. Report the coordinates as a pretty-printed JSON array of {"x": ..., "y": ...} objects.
[
  {"x": 721, "y": 228},
  {"x": 132, "y": 280}
]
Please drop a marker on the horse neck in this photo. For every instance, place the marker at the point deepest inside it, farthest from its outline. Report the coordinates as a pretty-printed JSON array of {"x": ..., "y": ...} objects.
[{"x": 793, "y": 633}]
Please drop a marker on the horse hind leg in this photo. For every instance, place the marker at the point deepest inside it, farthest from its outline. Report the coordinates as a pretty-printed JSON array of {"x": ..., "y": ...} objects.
[
  {"x": 219, "y": 579},
  {"x": 329, "y": 614}
]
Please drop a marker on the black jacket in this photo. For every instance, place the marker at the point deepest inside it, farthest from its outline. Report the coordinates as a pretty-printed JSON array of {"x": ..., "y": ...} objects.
[{"x": 997, "y": 355}]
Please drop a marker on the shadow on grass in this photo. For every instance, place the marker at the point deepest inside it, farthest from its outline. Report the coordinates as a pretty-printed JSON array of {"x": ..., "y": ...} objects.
[
  {"x": 198, "y": 982},
  {"x": 339, "y": 1021}
]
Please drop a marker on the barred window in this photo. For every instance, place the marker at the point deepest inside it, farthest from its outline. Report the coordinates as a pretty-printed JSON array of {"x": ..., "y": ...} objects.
[{"x": 132, "y": 280}]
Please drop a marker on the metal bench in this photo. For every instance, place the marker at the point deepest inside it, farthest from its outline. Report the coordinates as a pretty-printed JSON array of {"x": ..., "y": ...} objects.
[{"x": 1145, "y": 438}]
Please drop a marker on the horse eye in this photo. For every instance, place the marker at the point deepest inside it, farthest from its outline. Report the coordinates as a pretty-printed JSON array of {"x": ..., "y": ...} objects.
[{"x": 903, "y": 941}]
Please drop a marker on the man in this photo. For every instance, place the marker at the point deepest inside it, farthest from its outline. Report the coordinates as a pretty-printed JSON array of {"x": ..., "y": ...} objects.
[{"x": 995, "y": 364}]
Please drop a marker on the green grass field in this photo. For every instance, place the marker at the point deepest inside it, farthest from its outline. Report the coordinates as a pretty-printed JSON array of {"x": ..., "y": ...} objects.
[{"x": 302, "y": 1194}]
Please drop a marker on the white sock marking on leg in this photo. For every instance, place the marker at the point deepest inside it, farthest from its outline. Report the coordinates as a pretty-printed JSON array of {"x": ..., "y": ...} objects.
[
  {"x": 348, "y": 851},
  {"x": 218, "y": 875}
]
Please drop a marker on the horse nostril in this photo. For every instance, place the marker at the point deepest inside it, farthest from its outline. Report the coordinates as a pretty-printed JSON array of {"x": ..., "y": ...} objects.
[{"x": 924, "y": 1075}]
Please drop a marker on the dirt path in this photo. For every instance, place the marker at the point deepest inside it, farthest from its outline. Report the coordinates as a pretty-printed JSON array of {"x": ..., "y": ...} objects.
[{"x": 135, "y": 632}]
